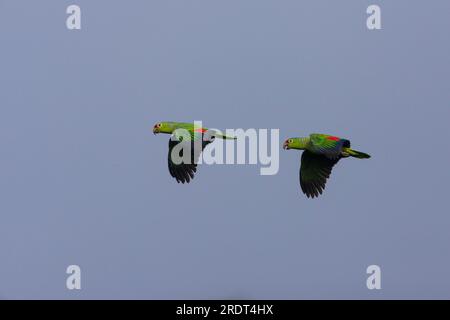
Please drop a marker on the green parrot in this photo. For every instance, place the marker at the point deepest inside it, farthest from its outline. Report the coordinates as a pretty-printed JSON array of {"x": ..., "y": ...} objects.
[
  {"x": 321, "y": 153},
  {"x": 191, "y": 134}
]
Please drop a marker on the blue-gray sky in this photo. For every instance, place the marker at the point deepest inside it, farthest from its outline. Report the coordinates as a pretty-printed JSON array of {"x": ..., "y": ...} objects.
[{"x": 84, "y": 181}]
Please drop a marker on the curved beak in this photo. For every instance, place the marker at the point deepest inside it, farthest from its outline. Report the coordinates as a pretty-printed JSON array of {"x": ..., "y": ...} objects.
[
  {"x": 286, "y": 145},
  {"x": 155, "y": 130}
]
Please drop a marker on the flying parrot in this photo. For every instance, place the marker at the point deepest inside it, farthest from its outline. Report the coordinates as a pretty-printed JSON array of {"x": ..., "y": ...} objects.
[
  {"x": 321, "y": 153},
  {"x": 191, "y": 136}
]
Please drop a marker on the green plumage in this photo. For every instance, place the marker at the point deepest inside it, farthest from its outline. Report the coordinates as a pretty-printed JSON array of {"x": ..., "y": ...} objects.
[
  {"x": 187, "y": 136},
  {"x": 321, "y": 153}
]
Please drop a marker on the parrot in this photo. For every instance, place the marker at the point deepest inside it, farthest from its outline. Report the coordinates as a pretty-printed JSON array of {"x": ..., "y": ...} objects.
[
  {"x": 321, "y": 153},
  {"x": 186, "y": 133}
]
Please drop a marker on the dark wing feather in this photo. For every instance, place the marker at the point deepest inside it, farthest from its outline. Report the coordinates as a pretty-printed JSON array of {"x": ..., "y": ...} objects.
[
  {"x": 184, "y": 172},
  {"x": 314, "y": 172}
]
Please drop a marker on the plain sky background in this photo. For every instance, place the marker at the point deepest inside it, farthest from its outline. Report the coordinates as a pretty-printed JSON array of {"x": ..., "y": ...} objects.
[{"x": 84, "y": 181}]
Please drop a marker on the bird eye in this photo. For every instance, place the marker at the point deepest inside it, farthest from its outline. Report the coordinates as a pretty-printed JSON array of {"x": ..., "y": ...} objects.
[
  {"x": 290, "y": 141},
  {"x": 158, "y": 125}
]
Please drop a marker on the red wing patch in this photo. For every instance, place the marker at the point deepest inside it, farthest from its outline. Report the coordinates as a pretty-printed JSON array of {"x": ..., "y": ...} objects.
[{"x": 333, "y": 138}]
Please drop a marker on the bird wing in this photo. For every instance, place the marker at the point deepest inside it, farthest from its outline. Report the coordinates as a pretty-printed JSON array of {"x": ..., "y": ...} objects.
[
  {"x": 184, "y": 172},
  {"x": 329, "y": 146},
  {"x": 315, "y": 169}
]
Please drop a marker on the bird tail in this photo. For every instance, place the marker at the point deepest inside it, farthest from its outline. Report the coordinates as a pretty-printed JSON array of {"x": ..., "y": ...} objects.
[
  {"x": 356, "y": 154},
  {"x": 224, "y": 137}
]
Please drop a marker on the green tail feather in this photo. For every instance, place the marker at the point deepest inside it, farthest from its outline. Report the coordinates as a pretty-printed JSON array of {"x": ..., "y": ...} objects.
[
  {"x": 224, "y": 137},
  {"x": 356, "y": 154}
]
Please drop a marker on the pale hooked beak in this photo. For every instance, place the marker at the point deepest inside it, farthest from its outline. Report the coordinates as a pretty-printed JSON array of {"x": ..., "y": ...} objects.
[
  {"x": 286, "y": 145},
  {"x": 155, "y": 130}
]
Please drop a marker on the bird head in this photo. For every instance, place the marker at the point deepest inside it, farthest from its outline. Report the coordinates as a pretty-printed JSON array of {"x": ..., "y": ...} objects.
[
  {"x": 162, "y": 127},
  {"x": 291, "y": 143}
]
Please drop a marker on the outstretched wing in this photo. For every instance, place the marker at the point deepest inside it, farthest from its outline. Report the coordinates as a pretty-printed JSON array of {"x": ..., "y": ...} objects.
[
  {"x": 314, "y": 171},
  {"x": 184, "y": 171}
]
